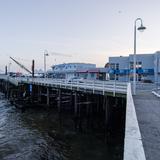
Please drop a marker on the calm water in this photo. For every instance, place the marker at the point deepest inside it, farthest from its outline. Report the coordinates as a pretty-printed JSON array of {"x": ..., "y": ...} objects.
[{"x": 36, "y": 134}]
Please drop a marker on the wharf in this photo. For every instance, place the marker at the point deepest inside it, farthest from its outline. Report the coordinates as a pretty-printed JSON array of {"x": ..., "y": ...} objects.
[
  {"x": 112, "y": 88},
  {"x": 147, "y": 108}
]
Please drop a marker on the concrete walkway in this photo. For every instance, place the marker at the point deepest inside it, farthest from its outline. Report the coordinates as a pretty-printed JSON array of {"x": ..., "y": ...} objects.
[{"x": 147, "y": 108}]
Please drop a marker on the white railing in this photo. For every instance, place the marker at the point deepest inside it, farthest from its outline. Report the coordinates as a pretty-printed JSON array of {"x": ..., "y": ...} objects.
[
  {"x": 92, "y": 85},
  {"x": 10, "y": 79},
  {"x": 133, "y": 147}
]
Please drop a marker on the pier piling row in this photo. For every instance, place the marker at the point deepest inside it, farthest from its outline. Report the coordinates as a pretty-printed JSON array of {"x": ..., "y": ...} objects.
[{"x": 103, "y": 111}]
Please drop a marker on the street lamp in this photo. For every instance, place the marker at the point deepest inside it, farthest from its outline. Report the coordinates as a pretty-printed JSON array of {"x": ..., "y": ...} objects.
[
  {"x": 9, "y": 67},
  {"x": 141, "y": 28},
  {"x": 45, "y": 54}
]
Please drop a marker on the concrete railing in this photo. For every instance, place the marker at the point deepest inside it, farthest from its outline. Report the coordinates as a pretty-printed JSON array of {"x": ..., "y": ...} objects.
[{"x": 133, "y": 147}]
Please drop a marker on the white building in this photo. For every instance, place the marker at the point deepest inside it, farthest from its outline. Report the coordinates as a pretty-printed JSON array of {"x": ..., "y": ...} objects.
[{"x": 68, "y": 70}]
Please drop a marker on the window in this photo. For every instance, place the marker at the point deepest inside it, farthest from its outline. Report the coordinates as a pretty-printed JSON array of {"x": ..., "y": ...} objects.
[
  {"x": 92, "y": 75},
  {"x": 139, "y": 77},
  {"x": 117, "y": 77},
  {"x": 112, "y": 65},
  {"x": 111, "y": 77},
  {"x": 131, "y": 65},
  {"x": 117, "y": 66},
  {"x": 138, "y": 65}
]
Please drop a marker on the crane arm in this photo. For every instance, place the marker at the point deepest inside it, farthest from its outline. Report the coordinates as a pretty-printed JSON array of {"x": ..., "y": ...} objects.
[{"x": 22, "y": 66}]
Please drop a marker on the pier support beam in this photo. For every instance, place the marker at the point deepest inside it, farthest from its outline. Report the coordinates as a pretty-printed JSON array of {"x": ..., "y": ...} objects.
[
  {"x": 59, "y": 100},
  {"x": 105, "y": 106},
  {"x": 88, "y": 106},
  {"x": 39, "y": 94},
  {"x": 75, "y": 105},
  {"x": 88, "y": 113},
  {"x": 8, "y": 90},
  {"x": 48, "y": 97},
  {"x": 77, "y": 113},
  {"x": 76, "y": 117}
]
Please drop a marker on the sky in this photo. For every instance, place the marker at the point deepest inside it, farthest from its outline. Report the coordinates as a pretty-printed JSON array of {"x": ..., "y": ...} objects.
[{"x": 88, "y": 30}]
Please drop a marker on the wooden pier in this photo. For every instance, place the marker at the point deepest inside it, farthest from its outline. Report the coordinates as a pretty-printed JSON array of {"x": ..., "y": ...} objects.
[{"x": 91, "y": 104}]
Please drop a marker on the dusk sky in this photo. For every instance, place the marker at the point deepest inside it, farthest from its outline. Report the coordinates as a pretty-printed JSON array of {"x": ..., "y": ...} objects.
[{"x": 89, "y": 30}]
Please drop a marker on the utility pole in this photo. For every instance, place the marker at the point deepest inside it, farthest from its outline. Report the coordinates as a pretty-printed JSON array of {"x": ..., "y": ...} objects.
[{"x": 33, "y": 65}]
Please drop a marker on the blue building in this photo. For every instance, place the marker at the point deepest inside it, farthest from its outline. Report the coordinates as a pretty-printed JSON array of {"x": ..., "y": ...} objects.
[{"x": 147, "y": 67}]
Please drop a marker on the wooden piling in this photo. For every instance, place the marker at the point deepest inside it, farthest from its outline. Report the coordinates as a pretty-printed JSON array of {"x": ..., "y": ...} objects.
[
  {"x": 48, "y": 102},
  {"x": 76, "y": 117},
  {"x": 88, "y": 105},
  {"x": 105, "y": 103},
  {"x": 59, "y": 100},
  {"x": 75, "y": 104},
  {"x": 39, "y": 94}
]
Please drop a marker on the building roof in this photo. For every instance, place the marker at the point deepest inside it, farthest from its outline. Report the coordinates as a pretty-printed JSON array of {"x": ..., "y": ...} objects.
[
  {"x": 93, "y": 70},
  {"x": 82, "y": 70},
  {"x": 64, "y": 64}
]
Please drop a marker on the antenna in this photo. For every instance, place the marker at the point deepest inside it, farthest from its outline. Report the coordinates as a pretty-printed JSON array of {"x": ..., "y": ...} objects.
[{"x": 21, "y": 65}]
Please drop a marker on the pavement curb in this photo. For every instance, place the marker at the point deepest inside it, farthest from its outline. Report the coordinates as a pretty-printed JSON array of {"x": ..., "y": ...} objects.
[{"x": 133, "y": 146}]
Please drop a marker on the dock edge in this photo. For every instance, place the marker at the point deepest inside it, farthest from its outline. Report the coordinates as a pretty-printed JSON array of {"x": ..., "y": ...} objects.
[{"x": 133, "y": 146}]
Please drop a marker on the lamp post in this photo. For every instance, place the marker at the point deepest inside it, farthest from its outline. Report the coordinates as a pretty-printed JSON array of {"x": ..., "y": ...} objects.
[
  {"x": 9, "y": 67},
  {"x": 141, "y": 28},
  {"x": 45, "y": 54}
]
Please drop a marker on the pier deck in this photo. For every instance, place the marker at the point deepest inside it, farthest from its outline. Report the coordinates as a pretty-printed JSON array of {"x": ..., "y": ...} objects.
[
  {"x": 148, "y": 114},
  {"x": 91, "y": 86}
]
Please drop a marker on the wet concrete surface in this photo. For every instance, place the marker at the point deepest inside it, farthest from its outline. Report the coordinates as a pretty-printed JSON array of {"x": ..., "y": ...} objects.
[{"x": 147, "y": 108}]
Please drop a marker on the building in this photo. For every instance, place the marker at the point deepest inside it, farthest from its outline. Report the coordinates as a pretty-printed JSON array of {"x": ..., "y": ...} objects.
[
  {"x": 69, "y": 70},
  {"x": 147, "y": 67},
  {"x": 93, "y": 73}
]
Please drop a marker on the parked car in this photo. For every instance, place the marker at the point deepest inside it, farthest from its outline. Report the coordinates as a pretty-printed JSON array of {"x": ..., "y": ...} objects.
[
  {"x": 147, "y": 81},
  {"x": 75, "y": 79}
]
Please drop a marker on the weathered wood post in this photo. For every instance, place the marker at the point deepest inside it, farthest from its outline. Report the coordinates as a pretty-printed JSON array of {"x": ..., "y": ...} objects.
[
  {"x": 87, "y": 112},
  {"x": 5, "y": 88},
  {"x": 8, "y": 88},
  {"x": 97, "y": 103},
  {"x": 105, "y": 99},
  {"x": 75, "y": 110},
  {"x": 75, "y": 104},
  {"x": 70, "y": 99},
  {"x": 59, "y": 100},
  {"x": 59, "y": 103},
  {"x": 48, "y": 96},
  {"x": 87, "y": 106},
  {"x": 79, "y": 116},
  {"x": 39, "y": 94}
]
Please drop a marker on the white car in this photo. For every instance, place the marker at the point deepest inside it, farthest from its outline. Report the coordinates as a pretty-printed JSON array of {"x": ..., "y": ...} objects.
[{"x": 75, "y": 79}]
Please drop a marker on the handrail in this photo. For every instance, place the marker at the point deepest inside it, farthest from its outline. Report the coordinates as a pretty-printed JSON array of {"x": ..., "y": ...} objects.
[{"x": 93, "y": 85}]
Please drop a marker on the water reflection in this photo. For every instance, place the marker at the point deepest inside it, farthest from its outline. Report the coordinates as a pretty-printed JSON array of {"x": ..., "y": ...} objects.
[{"x": 36, "y": 134}]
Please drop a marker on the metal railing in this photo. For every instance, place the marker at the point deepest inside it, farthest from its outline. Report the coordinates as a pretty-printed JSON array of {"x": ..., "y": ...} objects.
[{"x": 85, "y": 85}]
